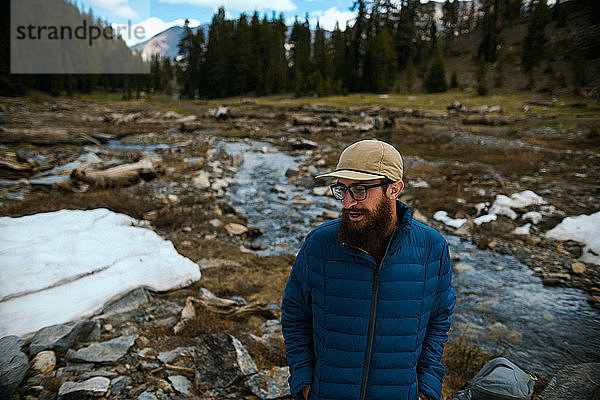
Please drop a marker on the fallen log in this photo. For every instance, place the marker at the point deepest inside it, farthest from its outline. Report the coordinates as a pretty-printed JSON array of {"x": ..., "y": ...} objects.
[
  {"x": 44, "y": 136},
  {"x": 121, "y": 175}
]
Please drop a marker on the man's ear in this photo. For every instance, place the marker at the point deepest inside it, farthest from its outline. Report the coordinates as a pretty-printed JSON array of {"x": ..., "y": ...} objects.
[{"x": 394, "y": 189}]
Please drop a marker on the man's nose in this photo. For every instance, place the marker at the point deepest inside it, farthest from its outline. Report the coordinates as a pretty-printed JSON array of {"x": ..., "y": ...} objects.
[{"x": 348, "y": 201}]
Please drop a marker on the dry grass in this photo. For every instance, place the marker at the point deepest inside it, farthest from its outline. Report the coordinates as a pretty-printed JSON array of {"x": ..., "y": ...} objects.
[{"x": 134, "y": 203}]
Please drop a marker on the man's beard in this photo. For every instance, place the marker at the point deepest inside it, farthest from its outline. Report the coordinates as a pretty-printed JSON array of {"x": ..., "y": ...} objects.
[{"x": 371, "y": 232}]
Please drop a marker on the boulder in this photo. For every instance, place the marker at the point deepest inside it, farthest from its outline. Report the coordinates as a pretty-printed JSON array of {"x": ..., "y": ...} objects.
[
  {"x": 13, "y": 365},
  {"x": 97, "y": 386},
  {"x": 61, "y": 337},
  {"x": 222, "y": 360},
  {"x": 106, "y": 352},
  {"x": 574, "y": 382},
  {"x": 270, "y": 384}
]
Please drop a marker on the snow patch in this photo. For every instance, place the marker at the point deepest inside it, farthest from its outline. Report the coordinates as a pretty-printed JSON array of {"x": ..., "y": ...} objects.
[
  {"x": 522, "y": 230},
  {"x": 442, "y": 216},
  {"x": 485, "y": 218},
  {"x": 584, "y": 229},
  {"x": 62, "y": 266},
  {"x": 504, "y": 205}
]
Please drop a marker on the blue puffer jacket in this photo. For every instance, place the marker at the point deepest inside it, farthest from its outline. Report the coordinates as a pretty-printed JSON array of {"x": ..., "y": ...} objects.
[{"x": 326, "y": 311}]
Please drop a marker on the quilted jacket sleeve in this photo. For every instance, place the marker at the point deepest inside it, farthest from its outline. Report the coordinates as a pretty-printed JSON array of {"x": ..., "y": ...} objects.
[
  {"x": 430, "y": 369},
  {"x": 296, "y": 322}
]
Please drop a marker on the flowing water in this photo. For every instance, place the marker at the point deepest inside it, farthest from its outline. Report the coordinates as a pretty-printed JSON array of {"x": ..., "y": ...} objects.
[{"x": 500, "y": 307}]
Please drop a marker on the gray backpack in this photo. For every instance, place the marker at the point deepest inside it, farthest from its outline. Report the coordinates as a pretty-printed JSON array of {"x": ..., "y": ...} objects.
[{"x": 499, "y": 379}]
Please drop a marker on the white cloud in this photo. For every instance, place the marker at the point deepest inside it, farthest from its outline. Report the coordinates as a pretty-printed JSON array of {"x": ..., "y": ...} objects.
[
  {"x": 240, "y": 5},
  {"x": 328, "y": 18},
  {"x": 151, "y": 27},
  {"x": 119, "y": 8}
]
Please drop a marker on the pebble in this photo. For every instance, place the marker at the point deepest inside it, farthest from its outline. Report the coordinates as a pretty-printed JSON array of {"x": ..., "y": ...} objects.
[
  {"x": 578, "y": 268},
  {"x": 461, "y": 267},
  {"x": 236, "y": 229}
]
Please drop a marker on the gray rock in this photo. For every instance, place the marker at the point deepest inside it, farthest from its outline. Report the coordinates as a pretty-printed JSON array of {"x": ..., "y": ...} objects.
[
  {"x": 270, "y": 384},
  {"x": 118, "y": 384},
  {"x": 168, "y": 356},
  {"x": 574, "y": 382},
  {"x": 97, "y": 386},
  {"x": 99, "y": 372},
  {"x": 78, "y": 367},
  {"x": 146, "y": 396},
  {"x": 128, "y": 302},
  {"x": 13, "y": 365},
  {"x": 271, "y": 326},
  {"x": 108, "y": 352},
  {"x": 221, "y": 360},
  {"x": 181, "y": 384},
  {"x": 60, "y": 338}
]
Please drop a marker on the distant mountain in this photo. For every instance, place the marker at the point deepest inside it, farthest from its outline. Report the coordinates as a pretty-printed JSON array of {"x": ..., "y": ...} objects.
[{"x": 164, "y": 43}]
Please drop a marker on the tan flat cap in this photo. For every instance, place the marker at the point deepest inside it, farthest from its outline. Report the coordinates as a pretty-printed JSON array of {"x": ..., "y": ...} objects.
[{"x": 367, "y": 160}]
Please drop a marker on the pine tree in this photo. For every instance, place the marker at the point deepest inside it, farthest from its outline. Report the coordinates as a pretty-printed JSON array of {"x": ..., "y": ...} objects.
[
  {"x": 410, "y": 75},
  {"x": 534, "y": 44},
  {"x": 450, "y": 20},
  {"x": 219, "y": 51},
  {"x": 191, "y": 63},
  {"x": 301, "y": 41},
  {"x": 322, "y": 63},
  {"x": 482, "y": 87},
  {"x": 491, "y": 27},
  {"x": 242, "y": 56},
  {"x": 435, "y": 81},
  {"x": 338, "y": 57},
  {"x": 454, "y": 80},
  {"x": 499, "y": 73},
  {"x": 380, "y": 65}
]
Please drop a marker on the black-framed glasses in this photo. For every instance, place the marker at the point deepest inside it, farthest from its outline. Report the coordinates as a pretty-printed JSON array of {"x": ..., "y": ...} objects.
[{"x": 357, "y": 191}]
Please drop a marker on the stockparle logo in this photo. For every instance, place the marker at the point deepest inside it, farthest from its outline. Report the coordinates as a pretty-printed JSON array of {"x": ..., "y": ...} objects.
[{"x": 55, "y": 37}]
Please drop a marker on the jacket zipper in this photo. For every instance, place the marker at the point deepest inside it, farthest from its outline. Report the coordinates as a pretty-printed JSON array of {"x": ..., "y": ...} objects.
[{"x": 372, "y": 319}]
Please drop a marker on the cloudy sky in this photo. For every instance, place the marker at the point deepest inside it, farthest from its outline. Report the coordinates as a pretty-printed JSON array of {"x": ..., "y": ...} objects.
[{"x": 157, "y": 15}]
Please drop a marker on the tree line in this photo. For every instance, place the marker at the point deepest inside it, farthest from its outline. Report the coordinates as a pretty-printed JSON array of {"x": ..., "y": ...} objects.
[{"x": 385, "y": 41}]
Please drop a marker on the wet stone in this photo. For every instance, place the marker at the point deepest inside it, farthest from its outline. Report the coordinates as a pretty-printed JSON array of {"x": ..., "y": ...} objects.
[
  {"x": 13, "y": 365},
  {"x": 270, "y": 384},
  {"x": 109, "y": 352},
  {"x": 97, "y": 386}
]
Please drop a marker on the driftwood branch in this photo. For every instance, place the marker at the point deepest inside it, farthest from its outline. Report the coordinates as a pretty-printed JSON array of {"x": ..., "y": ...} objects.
[{"x": 121, "y": 175}]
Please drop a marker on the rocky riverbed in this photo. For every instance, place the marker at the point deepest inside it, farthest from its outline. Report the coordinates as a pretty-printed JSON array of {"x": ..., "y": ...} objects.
[{"x": 176, "y": 171}]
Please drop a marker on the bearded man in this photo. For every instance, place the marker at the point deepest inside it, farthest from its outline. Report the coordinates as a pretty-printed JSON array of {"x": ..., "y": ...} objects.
[{"x": 366, "y": 310}]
